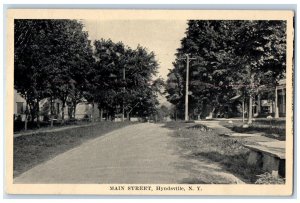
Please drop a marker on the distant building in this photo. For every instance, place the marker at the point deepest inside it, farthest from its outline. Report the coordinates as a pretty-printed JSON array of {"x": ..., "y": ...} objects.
[
  {"x": 19, "y": 104},
  {"x": 265, "y": 104},
  {"x": 281, "y": 92},
  {"x": 84, "y": 110}
]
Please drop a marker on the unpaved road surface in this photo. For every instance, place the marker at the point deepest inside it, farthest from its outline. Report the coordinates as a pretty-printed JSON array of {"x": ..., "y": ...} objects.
[{"x": 142, "y": 153}]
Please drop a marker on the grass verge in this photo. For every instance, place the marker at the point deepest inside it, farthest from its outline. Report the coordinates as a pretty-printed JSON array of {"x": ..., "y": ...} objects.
[
  {"x": 30, "y": 150},
  {"x": 270, "y": 128},
  {"x": 228, "y": 152}
]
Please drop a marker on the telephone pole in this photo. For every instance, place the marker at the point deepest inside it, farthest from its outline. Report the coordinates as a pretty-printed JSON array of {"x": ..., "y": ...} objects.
[{"x": 188, "y": 59}]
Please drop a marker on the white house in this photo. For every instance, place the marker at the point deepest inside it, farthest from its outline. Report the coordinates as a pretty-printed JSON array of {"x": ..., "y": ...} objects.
[{"x": 83, "y": 109}]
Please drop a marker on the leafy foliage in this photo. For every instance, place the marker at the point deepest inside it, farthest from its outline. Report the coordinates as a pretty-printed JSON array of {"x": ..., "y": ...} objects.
[
  {"x": 51, "y": 59},
  {"x": 121, "y": 76},
  {"x": 54, "y": 59},
  {"x": 233, "y": 57}
]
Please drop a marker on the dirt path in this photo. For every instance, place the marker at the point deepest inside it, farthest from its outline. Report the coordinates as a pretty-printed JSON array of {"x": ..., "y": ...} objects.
[{"x": 142, "y": 153}]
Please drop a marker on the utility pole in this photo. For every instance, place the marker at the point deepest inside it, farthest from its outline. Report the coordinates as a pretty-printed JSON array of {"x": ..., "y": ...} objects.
[{"x": 188, "y": 59}]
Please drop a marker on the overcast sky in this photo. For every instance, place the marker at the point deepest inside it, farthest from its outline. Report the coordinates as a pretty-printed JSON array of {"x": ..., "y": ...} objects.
[{"x": 160, "y": 36}]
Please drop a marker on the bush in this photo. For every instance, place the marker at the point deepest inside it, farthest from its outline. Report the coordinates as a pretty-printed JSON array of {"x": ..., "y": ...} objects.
[{"x": 200, "y": 127}]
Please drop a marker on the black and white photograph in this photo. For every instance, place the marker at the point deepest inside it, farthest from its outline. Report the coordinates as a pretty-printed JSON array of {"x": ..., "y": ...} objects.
[{"x": 147, "y": 105}]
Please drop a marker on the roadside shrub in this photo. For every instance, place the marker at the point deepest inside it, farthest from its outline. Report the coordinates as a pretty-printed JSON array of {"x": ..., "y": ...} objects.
[{"x": 200, "y": 127}]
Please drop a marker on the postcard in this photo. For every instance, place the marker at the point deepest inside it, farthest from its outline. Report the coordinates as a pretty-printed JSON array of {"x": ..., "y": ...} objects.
[{"x": 149, "y": 102}]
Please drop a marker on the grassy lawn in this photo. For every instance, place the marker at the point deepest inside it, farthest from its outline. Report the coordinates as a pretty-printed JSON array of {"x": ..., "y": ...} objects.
[
  {"x": 30, "y": 150},
  {"x": 227, "y": 152},
  {"x": 32, "y": 126},
  {"x": 270, "y": 128}
]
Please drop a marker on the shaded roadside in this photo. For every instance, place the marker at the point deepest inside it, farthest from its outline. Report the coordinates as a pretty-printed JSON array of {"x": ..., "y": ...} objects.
[
  {"x": 206, "y": 143},
  {"x": 38, "y": 147}
]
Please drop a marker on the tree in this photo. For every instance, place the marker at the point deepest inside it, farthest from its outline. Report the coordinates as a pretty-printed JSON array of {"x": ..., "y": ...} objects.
[
  {"x": 174, "y": 89},
  {"x": 162, "y": 113},
  {"x": 142, "y": 67},
  {"x": 261, "y": 52},
  {"x": 72, "y": 56},
  {"x": 233, "y": 57},
  {"x": 105, "y": 76},
  {"x": 30, "y": 64},
  {"x": 51, "y": 59},
  {"x": 122, "y": 78},
  {"x": 210, "y": 74}
]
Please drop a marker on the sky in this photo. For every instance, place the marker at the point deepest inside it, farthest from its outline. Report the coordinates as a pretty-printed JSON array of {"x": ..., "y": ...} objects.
[{"x": 162, "y": 37}]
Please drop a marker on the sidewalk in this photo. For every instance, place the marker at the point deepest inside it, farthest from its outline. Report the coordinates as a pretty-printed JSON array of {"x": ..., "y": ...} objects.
[
  {"x": 215, "y": 125},
  {"x": 266, "y": 153},
  {"x": 256, "y": 139},
  {"x": 54, "y": 129}
]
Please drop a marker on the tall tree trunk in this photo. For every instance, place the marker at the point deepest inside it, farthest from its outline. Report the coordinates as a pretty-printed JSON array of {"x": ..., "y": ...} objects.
[
  {"x": 276, "y": 103},
  {"x": 212, "y": 113},
  {"x": 93, "y": 111},
  {"x": 250, "y": 110},
  {"x": 38, "y": 113},
  {"x": 74, "y": 109},
  {"x": 32, "y": 112},
  {"x": 284, "y": 101},
  {"x": 175, "y": 113},
  {"x": 123, "y": 112},
  {"x": 243, "y": 109},
  {"x": 128, "y": 116},
  {"x": 69, "y": 108},
  {"x": 26, "y": 116},
  {"x": 63, "y": 112},
  {"x": 101, "y": 114},
  {"x": 259, "y": 104},
  {"x": 51, "y": 111}
]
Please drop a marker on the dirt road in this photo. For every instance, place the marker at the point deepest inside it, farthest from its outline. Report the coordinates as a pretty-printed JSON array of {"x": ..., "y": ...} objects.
[{"x": 143, "y": 153}]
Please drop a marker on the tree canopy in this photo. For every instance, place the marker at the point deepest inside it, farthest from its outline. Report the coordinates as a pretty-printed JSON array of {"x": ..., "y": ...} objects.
[
  {"x": 233, "y": 57},
  {"x": 51, "y": 59},
  {"x": 54, "y": 59},
  {"x": 124, "y": 76}
]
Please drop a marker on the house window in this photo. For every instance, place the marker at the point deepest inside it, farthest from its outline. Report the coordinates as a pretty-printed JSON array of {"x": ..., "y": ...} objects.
[{"x": 20, "y": 109}]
